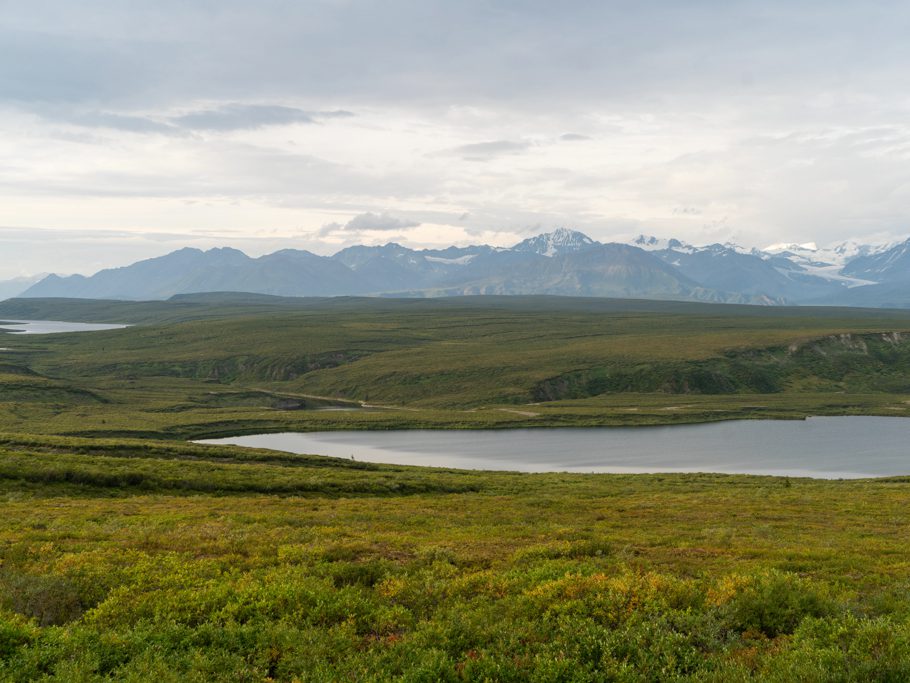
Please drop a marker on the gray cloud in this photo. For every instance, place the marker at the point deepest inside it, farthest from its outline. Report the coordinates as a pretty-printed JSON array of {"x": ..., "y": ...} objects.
[
  {"x": 368, "y": 221},
  {"x": 227, "y": 117},
  {"x": 786, "y": 117},
  {"x": 365, "y": 222},
  {"x": 125, "y": 122},
  {"x": 660, "y": 52},
  {"x": 482, "y": 151},
  {"x": 378, "y": 221},
  {"x": 249, "y": 116}
]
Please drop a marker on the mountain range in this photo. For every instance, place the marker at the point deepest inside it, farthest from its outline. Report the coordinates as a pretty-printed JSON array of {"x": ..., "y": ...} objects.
[{"x": 562, "y": 262}]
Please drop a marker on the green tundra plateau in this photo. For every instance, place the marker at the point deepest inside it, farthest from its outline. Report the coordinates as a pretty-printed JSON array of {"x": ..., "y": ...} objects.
[{"x": 129, "y": 554}]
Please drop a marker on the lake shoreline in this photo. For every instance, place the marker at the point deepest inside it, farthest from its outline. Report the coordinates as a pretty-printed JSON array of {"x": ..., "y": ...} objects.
[
  {"x": 848, "y": 447},
  {"x": 54, "y": 327}
]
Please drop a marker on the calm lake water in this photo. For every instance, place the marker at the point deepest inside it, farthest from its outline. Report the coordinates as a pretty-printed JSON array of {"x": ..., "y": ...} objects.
[
  {"x": 52, "y": 327},
  {"x": 823, "y": 447}
]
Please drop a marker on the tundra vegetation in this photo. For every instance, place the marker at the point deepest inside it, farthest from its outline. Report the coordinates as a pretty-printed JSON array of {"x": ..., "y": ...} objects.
[{"x": 128, "y": 554}]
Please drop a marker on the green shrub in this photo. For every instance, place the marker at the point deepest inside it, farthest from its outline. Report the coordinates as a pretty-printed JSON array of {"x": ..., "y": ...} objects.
[
  {"x": 49, "y": 599},
  {"x": 771, "y": 603},
  {"x": 14, "y": 634},
  {"x": 848, "y": 649}
]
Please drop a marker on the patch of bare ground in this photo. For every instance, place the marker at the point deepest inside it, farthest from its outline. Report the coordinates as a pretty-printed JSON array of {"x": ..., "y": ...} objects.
[{"x": 524, "y": 413}]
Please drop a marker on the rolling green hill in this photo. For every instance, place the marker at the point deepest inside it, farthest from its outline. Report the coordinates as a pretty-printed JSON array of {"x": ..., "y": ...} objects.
[{"x": 214, "y": 364}]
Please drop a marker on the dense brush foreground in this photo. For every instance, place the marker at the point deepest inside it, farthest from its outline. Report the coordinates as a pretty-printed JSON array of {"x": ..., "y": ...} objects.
[
  {"x": 128, "y": 554},
  {"x": 126, "y": 561}
]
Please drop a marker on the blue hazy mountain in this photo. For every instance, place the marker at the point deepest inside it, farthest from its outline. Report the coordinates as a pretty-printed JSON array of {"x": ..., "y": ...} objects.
[
  {"x": 561, "y": 262},
  {"x": 16, "y": 286}
]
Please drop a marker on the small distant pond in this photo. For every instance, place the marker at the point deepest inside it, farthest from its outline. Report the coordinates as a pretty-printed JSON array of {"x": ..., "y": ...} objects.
[
  {"x": 52, "y": 327},
  {"x": 823, "y": 447}
]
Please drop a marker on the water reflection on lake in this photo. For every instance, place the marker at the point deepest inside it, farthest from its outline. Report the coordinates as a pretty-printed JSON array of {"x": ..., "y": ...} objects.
[
  {"x": 824, "y": 447},
  {"x": 52, "y": 327}
]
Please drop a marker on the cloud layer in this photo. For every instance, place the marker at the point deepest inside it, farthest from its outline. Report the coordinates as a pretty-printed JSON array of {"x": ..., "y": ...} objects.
[{"x": 441, "y": 122}]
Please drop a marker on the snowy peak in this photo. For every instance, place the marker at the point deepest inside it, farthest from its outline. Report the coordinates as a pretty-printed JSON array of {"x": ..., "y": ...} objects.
[
  {"x": 802, "y": 263},
  {"x": 791, "y": 247},
  {"x": 888, "y": 264},
  {"x": 835, "y": 256},
  {"x": 651, "y": 243},
  {"x": 560, "y": 241},
  {"x": 851, "y": 249},
  {"x": 726, "y": 248},
  {"x": 805, "y": 254}
]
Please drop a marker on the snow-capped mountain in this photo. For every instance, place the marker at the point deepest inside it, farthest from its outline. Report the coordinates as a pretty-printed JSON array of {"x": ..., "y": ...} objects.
[
  {"x": 564, "y": 262},
  {"x": 790, "y": 247},
  {"x": 789, "y": 272},
  {"x": 560, "y": 241},
  {"x": 651, "y": 243},
  {"x": 889, "y": 264},
  {"x": 807, "y": 259},
  {"x": 835, "y": 255}
]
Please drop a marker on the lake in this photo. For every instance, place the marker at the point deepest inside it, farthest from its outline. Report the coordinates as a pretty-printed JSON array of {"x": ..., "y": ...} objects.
[
  {"x": 822, "y": 447},
  {"x": 52, "y": 327}
]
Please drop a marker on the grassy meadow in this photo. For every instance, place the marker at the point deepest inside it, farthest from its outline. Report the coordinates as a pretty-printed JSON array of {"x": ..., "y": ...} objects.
[
  {"x": 136, "y": 561},
  {"x": 129, "y": 554},
  {"x": 217, "y": 365}
]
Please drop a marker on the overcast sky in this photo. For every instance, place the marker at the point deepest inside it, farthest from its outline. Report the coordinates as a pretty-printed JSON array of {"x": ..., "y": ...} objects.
[{"x": 130, "y": 129}]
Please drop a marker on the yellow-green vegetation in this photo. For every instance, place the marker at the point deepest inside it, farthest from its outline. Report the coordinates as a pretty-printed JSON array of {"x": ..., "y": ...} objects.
[
  {"x": 137, "y": 561},
  {"x": 216, "y": 365},
  {"x": 127, "y": 554}
]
